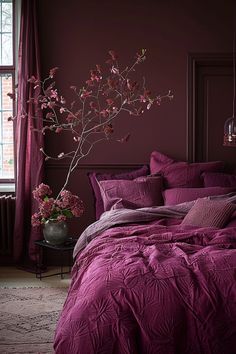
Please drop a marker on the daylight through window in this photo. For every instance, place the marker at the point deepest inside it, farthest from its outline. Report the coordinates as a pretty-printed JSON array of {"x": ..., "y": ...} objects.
[{"x": 7, "y": 69}]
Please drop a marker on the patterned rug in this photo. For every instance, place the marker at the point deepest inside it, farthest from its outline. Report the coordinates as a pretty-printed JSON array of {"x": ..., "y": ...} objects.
[{"x": 28, "y": 317}]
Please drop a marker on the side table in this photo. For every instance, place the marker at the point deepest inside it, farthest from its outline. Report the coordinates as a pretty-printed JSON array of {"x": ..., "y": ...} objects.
[{"x": 66, "y": 247}]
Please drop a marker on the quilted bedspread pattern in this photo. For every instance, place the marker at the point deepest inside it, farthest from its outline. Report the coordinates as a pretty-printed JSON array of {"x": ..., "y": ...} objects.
[{"x": 152, "y": 289}]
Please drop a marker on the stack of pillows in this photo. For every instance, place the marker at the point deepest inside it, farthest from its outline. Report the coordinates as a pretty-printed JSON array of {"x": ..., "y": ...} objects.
[{"x": 168, "y": 182}]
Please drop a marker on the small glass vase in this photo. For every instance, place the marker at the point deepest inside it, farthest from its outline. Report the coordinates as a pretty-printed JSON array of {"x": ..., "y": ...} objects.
[{"x": 55, "y": 233}]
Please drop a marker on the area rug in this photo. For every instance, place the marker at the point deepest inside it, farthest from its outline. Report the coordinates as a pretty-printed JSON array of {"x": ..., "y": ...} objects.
[{"x": 28, "y": 318}]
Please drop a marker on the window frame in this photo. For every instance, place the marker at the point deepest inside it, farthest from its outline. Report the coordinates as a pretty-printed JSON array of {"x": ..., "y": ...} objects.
[{"x": 6, "y": 183}]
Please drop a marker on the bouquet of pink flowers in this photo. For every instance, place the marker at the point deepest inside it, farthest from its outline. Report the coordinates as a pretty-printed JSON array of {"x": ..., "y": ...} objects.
[{"x": 65, "y": 206}]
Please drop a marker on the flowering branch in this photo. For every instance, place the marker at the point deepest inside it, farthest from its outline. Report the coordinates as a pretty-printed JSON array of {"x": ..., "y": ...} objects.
[{"x": 89, "y": 117}]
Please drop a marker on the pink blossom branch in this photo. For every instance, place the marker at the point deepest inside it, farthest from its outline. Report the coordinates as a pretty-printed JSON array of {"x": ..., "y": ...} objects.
[{"x": 89, "y": 118}]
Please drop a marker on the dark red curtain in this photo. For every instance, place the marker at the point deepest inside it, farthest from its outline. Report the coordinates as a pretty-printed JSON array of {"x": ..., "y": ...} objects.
[{"x": 29, "y": 160}]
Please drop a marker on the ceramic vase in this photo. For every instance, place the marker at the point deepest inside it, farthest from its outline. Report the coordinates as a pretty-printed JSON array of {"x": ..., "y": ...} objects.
[{"x": 55, "y": 233}]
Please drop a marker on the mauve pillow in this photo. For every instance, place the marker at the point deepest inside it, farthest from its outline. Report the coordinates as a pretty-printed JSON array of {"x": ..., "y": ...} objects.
[
  {"x": 212, "y": 179},
  {"x": 180, "y": 173},
  {"x": 209, "y": 213},
  {"x": 138, "y": 193},
  {"x": 159, "y": 161},
  {"x": 95, "y": 177},
  {"x": 175, "y": 196}
]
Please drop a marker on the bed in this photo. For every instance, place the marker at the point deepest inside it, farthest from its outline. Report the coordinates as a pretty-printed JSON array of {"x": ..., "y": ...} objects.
[{"x": 156, "y": 273}]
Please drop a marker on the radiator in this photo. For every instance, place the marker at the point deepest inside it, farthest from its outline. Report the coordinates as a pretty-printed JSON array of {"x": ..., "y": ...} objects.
[{"x": 7, "y": 216}]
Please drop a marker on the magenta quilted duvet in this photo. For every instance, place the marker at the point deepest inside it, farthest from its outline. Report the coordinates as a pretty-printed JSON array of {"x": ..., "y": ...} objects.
[{"x": 152, "y": 289}]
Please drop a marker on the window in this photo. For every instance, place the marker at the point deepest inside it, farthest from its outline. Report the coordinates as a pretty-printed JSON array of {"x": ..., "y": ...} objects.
[{"x": 7, "y": 75}]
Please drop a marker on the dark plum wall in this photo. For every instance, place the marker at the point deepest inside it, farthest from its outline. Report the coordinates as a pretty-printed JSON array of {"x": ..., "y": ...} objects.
[{"x": 76, "y": 35}]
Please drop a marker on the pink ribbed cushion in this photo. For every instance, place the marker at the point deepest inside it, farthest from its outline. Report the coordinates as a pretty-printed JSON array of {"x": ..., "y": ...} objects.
[
  {"x": 209, "y": 213},
  {"x": 232, "y": 221},
  {"x": 175, "y": 196},
  {"x": 212, "y": 179},
  {"x": 139, "y": 193}
]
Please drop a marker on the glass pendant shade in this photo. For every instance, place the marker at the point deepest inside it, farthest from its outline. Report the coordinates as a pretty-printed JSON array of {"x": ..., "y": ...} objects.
[{"x": 230, "y": 132}]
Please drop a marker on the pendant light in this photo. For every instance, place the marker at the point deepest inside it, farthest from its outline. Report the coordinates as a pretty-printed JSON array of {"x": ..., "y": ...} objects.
[{"x": 230, "y": 123}]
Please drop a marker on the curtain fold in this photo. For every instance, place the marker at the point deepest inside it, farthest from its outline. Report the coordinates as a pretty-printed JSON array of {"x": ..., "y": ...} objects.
[{"x": 28, "y": 158}]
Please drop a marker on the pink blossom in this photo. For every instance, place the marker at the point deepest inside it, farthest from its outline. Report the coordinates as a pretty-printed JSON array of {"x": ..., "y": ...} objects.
[
  {"x": 108, "y": 129},
  {"x": 95, "y": 76},
  {"x": 90, "y": 82},
  {"x": 141, "y": 56},
  {"x": 113, "y": 55},
  {"x": 52, "y": 72},
  {"x": 41, "y": 191},
  {"x": 61, "y": 155},
  {"x": 62, "y": 100},
  {"x": 145, "y": 96},
  {"x": 59, "y": 130},
  {"x": 70, "y": 117},
  {"x": 44, "y": 105},
  {"x": 77, "y": 211},
  {"x": 46, "y": 207},
  {"x": 131, "y": 85},
  {"x": 104, "y": 113},
  {"x": 61, "y": 217},
  {"x": 49, "y": 115},
  {"x": 110, "y": 101},
  {"x": 114, "y": 70},
  {"x": 92, "y": 105},
  {"x": 66, "y": 206},
  {"x": 62, "y": 110},
  {"x": 99, "y": 68},
  {"x": 51, "y": 104},
  {"x": 74, "y": 88},
  {"x": 36, "y": 219},
  {"x": 86, "y": 94},
  {"x": 54, "y": 94},
  {"x": 33, "y": 80}
]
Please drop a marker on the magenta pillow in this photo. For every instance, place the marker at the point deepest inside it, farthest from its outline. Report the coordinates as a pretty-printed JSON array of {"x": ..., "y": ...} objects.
[
  {"x": 159, "y": 161},
  {"x": 219, "y": 179},
  {"x": 209, "y": 213},
  {"x": 138, "y": 193},
  {"x": 94, "y": 178},
  {"x": 181, "y": 174},
  {"x": 175, "y": 196}
]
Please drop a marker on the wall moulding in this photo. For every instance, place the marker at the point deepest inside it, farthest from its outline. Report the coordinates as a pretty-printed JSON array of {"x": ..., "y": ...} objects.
[
  {"x": 209, "y": 103},
  {"x": 64, "y": 166}
]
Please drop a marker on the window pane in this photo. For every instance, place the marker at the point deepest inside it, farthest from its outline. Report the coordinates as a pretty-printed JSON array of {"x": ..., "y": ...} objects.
[
  {"x": 6, "y": 37},
  {"x": 6, "y": 49},
  {"x": 6, "y": 128}
]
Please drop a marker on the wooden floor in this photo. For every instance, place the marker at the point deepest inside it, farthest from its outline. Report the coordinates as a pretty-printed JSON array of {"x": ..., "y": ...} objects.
[{"x": 11, "y": 277}]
